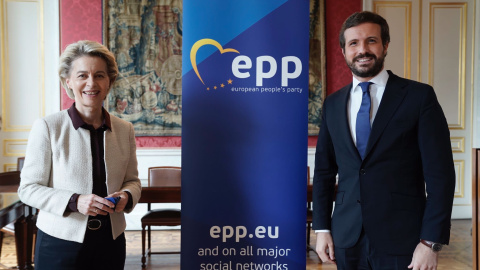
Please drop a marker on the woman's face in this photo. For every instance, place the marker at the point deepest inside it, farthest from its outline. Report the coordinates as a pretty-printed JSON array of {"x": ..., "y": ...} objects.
[{"x": 89, "y": 81}]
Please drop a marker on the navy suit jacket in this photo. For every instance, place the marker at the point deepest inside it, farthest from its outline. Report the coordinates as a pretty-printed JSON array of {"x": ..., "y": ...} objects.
[{"x": 408, "y": 155}]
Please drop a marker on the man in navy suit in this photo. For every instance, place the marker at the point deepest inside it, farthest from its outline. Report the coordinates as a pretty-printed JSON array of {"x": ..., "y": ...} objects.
[{"x": 388, "y": 140}]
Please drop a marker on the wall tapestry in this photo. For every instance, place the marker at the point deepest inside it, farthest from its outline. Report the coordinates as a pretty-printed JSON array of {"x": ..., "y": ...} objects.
[
  {"x": 146, "y": 39},
  {"x": 317, "y": 73}
]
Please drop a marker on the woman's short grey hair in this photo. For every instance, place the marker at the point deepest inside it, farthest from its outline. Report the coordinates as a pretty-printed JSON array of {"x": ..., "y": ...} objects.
[{"x": 85, "y": 48}]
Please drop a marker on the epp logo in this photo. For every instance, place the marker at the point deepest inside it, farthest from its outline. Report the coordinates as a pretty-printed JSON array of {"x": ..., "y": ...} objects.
[{"x": 242, "y": 63}]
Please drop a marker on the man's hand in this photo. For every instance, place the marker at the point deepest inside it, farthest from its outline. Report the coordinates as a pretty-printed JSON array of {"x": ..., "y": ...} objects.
[
  {"x": 424, "y": 258},
  {"x": 325, "y": 247}
]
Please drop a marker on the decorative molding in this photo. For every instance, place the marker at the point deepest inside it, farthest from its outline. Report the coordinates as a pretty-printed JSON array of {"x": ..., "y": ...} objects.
[
  {"x": 458, "y": 144},
  {"x": 8, "y": 64},
  {"x": 9, "y": 167},
  {"x": 462, "y": 34},
  {"x": 159, "y": 152},
  {"x": 10, "y": 147},
  {"x": 460, "y": 179},
  {"x": 406, "y": 7}
]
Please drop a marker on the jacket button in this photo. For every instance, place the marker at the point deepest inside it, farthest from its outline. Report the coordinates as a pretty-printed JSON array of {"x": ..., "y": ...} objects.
[
  {"x": 358, "y": 201},
  {"x": 363, "y": 172}
]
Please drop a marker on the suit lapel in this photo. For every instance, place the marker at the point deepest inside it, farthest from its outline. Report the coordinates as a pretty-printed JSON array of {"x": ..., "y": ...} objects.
[{"x": 392, "y": 98}]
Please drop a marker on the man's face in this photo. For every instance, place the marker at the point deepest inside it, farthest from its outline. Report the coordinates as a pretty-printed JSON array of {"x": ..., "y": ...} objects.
[{"x": 364, "y": 51}]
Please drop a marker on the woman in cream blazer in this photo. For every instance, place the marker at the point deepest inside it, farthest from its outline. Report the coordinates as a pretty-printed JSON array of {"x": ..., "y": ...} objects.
[{"x": 67, "y": 173}]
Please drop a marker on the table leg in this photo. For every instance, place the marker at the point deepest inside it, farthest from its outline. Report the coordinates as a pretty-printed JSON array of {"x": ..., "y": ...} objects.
[
  {"x": 21, "y": 241},
  {"x": 30, "y": 229}
]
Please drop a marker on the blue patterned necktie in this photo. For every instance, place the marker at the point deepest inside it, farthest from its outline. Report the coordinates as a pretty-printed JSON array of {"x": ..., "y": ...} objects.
[{"x": 363, "y": 120}]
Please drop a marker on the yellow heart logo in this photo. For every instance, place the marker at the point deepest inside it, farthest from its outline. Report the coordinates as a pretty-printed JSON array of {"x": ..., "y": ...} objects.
[{"x": 198, "y": 45}]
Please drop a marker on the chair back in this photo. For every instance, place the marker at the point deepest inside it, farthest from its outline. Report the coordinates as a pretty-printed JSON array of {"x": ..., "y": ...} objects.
[
  {"x": 164, "y": 176},
  {"x": 10, "y": 178},
  {"x": 20, "y": 162}
]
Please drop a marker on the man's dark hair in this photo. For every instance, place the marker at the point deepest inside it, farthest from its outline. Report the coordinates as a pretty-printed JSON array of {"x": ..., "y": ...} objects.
[{"x": 358, "y": 18}]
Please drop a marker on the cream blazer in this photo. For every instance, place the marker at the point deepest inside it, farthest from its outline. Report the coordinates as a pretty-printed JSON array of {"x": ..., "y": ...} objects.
[{"x": 58, "y": 163}]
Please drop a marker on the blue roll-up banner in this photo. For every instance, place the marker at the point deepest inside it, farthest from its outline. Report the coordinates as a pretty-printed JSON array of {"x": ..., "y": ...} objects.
[{"x": 244, "y": 134}]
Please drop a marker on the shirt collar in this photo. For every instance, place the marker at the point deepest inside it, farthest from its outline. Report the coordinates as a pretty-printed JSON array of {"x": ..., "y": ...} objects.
[
  {"x": 380, "y": 80},
  {"x": 78, "y": 122}
]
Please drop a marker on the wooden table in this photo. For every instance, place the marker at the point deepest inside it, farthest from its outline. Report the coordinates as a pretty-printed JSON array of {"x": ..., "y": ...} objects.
[
  {"x": 22, "y": 215},
  {"x": 173, "y": 194}
]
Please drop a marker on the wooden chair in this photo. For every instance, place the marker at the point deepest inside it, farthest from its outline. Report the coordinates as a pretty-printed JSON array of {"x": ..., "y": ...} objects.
[
  {"x": 8, "y": 179},
  {"x": 20, "y": 162},
  {"x": 160, "y": 177}
]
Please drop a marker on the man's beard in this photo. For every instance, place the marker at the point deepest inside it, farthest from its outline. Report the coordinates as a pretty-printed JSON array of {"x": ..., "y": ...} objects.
[{"x": 369, "y": 72}]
